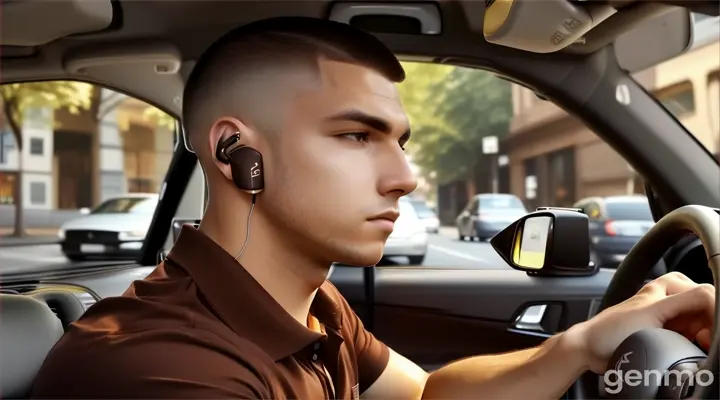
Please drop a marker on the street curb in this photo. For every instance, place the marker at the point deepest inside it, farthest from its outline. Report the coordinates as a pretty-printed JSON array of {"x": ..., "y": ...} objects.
[{"x": 31, "y": 242}]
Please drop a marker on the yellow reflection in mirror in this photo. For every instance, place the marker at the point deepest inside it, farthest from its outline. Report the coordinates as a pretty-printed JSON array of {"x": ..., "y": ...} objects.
[{"x": 531, "y": 242}]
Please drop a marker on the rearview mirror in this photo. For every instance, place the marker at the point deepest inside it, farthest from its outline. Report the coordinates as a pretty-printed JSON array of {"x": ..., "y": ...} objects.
[{"x": 548, "y": 242}]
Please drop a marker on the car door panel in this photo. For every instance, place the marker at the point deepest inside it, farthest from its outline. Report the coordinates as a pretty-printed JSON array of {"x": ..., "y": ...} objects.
[{"x": 434, "y": 316}]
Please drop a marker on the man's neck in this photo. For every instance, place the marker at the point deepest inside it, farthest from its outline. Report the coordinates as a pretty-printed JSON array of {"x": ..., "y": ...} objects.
[{"x": 291, "y": 279}]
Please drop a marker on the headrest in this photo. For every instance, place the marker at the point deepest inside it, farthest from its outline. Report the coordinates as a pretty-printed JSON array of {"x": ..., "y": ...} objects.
[{"x": 28, "y": 330}]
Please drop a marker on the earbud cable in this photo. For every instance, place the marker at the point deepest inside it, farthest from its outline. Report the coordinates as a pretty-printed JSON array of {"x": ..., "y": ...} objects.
[{"x": 247, "y": 228}]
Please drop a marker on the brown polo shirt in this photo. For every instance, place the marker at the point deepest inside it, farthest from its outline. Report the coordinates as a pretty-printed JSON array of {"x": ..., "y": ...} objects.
[{"x": 201, "y": 327}]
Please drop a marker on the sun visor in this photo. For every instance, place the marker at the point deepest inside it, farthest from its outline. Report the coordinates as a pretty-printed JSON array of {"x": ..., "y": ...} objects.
[
  {"x": 37, "y": 22},
  {"x": 153, "y": 65}
]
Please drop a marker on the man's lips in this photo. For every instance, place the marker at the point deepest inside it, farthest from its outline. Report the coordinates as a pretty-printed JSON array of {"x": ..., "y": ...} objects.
[{"x": 388, "y": 215}]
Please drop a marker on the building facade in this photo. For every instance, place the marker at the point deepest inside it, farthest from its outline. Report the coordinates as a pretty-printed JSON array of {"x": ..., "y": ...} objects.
[
  {"x": 75, "y": 160},
  {"x": 554, "y": 157}
]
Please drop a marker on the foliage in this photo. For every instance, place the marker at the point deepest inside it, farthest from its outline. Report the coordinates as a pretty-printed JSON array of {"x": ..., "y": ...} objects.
[
  {"x": 17, "y": 98},
  {"x": 451, "y": 109},
  {"x": 159, "y": 117}
]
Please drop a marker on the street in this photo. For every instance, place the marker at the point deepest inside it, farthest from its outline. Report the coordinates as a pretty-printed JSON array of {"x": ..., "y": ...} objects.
[{"x": 444, "y": 251}]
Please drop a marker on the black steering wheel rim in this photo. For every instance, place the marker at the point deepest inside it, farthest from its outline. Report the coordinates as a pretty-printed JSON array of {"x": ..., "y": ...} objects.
[{"x": 631, "y": 274}]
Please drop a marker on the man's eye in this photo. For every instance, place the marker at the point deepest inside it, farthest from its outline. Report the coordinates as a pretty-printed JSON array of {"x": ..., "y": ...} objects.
[{"x": 357, "y": 136}]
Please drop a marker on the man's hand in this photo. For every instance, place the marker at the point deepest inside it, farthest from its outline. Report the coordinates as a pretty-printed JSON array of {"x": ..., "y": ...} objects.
[{"x": 672, "y": 301}]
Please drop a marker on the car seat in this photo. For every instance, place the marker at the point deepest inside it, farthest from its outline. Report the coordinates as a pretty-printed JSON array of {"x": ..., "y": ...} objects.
[{"x": 28, "y": 331}]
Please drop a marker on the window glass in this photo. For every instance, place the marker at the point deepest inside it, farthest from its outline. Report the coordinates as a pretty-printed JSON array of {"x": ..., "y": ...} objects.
[
  {"x": 678, "y": 99},
  {"x": 407, "y": 211},
  {"x": 500, "y": 203},
  {"x": 632, "y": 210},
  {"x": 37, "y": 193},
  {"x": 422, "y": 209},
  {"x": 686, "y": 85},
  {"x": 125, "y": 205},
  {"x": 80, "y": 170},
  {"x": 36, "y": 146},
  {"x": 556, "y": 163}
]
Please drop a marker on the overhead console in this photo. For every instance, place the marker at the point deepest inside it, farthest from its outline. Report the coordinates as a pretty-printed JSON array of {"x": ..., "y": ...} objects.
[
  {"x": 37, "y": 22},
  {"x": 541, "y": 26}
]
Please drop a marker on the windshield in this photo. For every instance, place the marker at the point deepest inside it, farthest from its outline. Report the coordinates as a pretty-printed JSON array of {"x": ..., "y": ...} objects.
[
  {"x": 407, "y": 211},
  {"x": 475, "y": 137},
  {"x": 422, "y": 210},
  {"x": 629, "y": 211},
  {"x": 135, "y": 205},
  {"x": 688, "y": 86},
  {"x": 501, "y": 203}
]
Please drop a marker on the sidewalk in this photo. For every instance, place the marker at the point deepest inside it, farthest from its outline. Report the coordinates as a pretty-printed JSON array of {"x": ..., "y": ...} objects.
[
  {"x": 34, "y": 237},
  {"x": 449, "y": 231}
]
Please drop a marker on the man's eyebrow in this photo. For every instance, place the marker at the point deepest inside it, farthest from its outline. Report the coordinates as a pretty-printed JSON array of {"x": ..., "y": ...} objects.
[{"x": 372, "y": 121}]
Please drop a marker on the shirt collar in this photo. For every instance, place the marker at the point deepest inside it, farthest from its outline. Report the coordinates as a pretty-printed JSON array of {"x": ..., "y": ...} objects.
[{"x": 242, "y": 303}]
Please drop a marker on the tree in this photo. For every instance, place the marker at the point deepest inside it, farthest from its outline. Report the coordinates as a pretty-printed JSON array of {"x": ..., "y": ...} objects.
[
  {"x": 18, "y": 98},
  {"x": 451, "y": 109},
  {"x": 160, "y": 118}
]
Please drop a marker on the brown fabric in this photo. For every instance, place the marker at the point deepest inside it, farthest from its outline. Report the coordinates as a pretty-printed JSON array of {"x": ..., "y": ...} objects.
[{"x": 201, "y": 327}]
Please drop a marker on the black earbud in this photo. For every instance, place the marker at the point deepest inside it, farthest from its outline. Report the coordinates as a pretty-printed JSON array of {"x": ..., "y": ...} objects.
[{"x": 245, "y": 163}]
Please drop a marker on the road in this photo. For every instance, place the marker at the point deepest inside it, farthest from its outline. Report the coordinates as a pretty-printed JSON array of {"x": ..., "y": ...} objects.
[{"x": 444, "y": 251}]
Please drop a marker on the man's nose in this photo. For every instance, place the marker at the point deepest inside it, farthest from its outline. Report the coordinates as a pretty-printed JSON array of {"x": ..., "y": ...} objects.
[{"x": 398, "y": 179}]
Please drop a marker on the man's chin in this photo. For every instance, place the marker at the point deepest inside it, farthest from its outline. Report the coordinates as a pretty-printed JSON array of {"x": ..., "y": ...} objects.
[{"x": 358, "y": 259}]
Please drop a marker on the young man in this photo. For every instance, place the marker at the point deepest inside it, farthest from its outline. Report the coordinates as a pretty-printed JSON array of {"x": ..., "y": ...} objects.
[{"x": 317, "y": 100}]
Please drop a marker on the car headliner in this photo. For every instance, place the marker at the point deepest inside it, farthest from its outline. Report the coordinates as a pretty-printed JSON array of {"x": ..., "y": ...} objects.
[{"x": 182, "y": 30}]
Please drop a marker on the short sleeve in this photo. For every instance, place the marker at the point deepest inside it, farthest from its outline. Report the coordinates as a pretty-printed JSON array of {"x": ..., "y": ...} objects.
[
  {"x": 372, "y": 354},
  {"x": 152, "y": 365}
]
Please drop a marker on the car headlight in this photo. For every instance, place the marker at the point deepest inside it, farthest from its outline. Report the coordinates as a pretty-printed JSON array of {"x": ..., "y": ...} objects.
[
  {"x": 61, "y": 234},
  {"x": 132, "y": 235}
]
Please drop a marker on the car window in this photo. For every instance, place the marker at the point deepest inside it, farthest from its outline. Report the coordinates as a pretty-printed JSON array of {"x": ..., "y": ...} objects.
[
  {"x": 501, "y": 203},
  {"x": 475, "y": 134},
  {"x": 688, "y": 86},
  {"x": 75, "y": 159},
  {"x": 407, "y": 211},
  {"x": 135, "y": 205},
  {"x": 422, "y": 210},
  {"x": 639, "y": 211}
]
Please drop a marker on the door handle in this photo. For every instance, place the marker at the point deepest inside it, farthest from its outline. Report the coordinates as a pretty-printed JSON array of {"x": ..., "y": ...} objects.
[
  {"x": 531, "y": 318},
  {"x": 541, "y": 319}
]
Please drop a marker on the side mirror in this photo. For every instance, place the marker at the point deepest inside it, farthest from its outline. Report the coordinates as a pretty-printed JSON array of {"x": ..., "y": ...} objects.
[
  {"x": 84, "y": 211},
  {"x": 547, "y": 242}
]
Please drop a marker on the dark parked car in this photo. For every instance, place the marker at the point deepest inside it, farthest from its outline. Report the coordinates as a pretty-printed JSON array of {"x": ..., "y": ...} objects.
[
  {"x": 616, "y": 224},
  {"x": 487, "y": 214}
]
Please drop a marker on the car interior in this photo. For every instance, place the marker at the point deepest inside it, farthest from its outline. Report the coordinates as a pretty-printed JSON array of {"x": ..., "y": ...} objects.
[{"x": 432, "y": 316}]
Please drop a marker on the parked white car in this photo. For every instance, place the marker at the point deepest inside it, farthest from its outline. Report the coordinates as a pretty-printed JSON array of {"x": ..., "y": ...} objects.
[
  {"x": 114, "y": 230},
  {"x": 427, "y": 216},
  {"x": 410, "y": 237}
]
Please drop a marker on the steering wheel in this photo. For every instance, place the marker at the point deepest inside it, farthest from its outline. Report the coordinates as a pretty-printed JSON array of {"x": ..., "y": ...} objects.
[{"x": 664, "y": 350}]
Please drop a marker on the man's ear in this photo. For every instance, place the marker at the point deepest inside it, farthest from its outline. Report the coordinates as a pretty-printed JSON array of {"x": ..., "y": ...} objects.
[{"x": 220, "y": 131}]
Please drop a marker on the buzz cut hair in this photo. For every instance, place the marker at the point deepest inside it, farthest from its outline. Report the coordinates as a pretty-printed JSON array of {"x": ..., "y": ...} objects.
[{"x": 253, "y": 52}]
